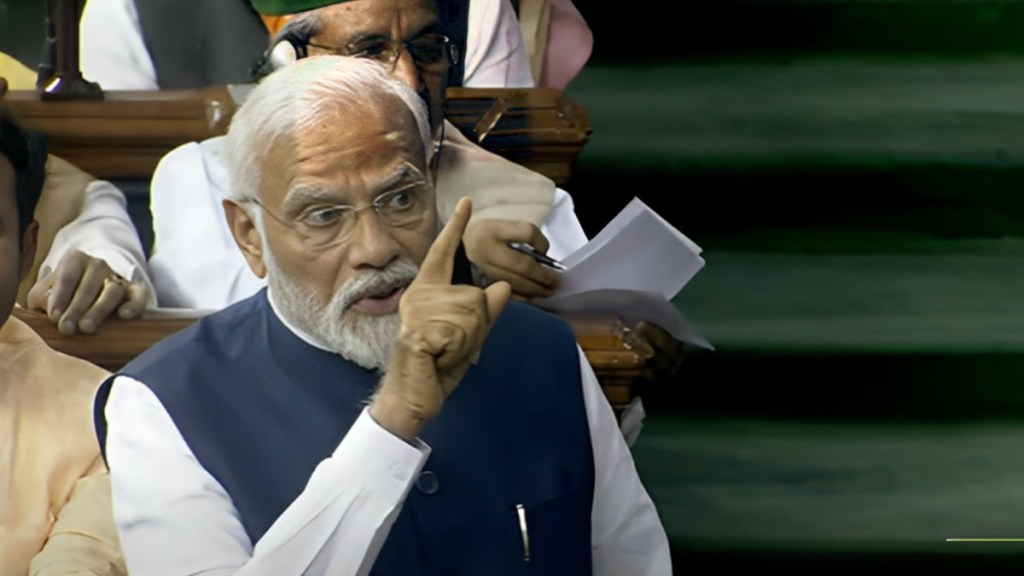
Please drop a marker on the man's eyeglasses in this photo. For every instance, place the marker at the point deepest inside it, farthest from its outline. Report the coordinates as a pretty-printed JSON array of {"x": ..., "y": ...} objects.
[
  {"x": 323, "y": 226},
  {"x": 431, "y": 52}
]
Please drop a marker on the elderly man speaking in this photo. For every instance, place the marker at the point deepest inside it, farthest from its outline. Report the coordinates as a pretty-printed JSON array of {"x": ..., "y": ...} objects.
[{"x": 363, "y": 414}]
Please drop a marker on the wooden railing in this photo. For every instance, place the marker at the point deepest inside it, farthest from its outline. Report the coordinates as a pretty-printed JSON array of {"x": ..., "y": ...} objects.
[
  {"x": 619, "y": 355},
  {"x": 127, "y": 133}
]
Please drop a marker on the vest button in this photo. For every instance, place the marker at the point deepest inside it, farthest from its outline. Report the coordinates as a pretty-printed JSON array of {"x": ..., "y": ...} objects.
[{"x": 427, "y": 482}]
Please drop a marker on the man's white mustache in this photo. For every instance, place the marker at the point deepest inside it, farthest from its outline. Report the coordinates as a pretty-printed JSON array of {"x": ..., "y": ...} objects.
[{"x": 396, "y": 275}]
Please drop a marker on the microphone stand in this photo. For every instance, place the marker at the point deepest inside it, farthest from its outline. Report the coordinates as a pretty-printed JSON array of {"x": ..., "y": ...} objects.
[{"x": 59, "y": 76}]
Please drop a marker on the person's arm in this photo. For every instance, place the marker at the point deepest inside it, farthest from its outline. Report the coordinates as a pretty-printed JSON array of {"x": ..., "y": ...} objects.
[
  {"x": 112, "y": 50},
  {"x": 83, "y": 540},
  {"x": 100, "y": 244},
  {"x": 509, "y": 204},
  {"x": 559, "y": 235},
  {"x": 495, "y": 55},
  {"x": 628, "y": 537},
  {"x": 195, "y": 262},
  {"x": 175, "y": 518}
]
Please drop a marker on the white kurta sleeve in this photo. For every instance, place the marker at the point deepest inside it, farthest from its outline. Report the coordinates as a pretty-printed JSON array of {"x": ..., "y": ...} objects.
[
  {"x": 495, "y": 55},
  {"x": 103, "y": 230},
  {"x": 628, "y": 537},
  {"x": 562, "y": 228},
  {"x": 111, "y": 47},
  {"x": 173, "y": 517},
  {"x": 195, "y": 262}
]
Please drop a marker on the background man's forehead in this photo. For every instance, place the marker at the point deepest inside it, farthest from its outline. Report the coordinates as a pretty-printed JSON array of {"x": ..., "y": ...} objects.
[{"x": 288, "y": 7}]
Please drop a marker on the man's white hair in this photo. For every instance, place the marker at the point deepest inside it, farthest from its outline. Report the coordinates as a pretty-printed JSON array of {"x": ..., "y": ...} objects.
[{"x": 290, "y": 100}]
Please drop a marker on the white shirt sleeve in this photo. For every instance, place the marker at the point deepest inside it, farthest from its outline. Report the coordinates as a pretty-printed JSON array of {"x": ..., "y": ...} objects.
[
  {"x": 562, "y": 228},
  {"x": 173, "y": 517},
  {"x": 495, "y": 55},
  {"x": 171, "y": 512},
  {"x": 111, "y": 47},
  {"x": 195, "y": 262},
  {"x": 103, "y": 230},
  {"x": 628, "y": 537}
]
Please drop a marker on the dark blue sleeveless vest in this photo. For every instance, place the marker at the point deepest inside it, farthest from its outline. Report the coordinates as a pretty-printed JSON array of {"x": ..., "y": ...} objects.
[{"x": 260, "y": 409}]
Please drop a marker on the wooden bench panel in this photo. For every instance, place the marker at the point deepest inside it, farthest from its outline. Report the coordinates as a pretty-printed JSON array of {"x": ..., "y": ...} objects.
[
  {"x": 618, "y": 359},
  {"x": 127, "y": 133}
]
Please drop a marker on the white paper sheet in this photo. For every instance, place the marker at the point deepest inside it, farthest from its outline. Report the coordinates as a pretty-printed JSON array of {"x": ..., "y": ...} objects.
[
  {"x": 637, "y": 250},
  {"x": 632, "y": 268}
]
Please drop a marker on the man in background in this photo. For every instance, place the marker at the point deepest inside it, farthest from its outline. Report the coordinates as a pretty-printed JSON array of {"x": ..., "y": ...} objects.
[
  {"x": 152, "y": 44},
  {"x": 195, "y": 263}
]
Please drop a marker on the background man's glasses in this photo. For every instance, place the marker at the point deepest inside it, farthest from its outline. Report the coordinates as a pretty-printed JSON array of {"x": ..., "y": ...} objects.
[
  {"x": 326, "y": 225},
  {"x": 430, "y": 52}
]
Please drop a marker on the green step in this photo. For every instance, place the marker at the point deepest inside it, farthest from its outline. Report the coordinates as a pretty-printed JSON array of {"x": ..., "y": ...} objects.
[
  {"x": 941, "y": 302},
  {"x": 813, "y": 113},
  {"x": 927, "y": 146},
  {"x": 835, "y": 498},
  {"x": 664, "y": 30},
  {"x": 854, "y": 336}
]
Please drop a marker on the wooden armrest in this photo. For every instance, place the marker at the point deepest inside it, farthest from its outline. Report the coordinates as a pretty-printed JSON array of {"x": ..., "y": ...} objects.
[
  {"x": 619, "y": 356},
  {"x": 115, "y": 343}
]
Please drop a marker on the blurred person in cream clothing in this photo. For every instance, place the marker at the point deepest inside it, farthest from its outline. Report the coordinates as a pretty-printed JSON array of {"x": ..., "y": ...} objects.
[{"x": 55, "y": 515}]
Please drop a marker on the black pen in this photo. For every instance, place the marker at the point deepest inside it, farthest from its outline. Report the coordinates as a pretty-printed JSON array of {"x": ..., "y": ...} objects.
[{"x": 538, "y": 256}]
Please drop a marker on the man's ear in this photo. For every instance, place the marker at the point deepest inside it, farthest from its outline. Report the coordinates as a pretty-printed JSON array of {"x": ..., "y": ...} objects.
[
  {"x": 243, "y": 228},
  {"x": 28, "y": 249}
]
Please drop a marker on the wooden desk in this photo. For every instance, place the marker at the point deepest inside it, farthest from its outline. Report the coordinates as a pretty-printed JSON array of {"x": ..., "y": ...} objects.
[
  {"x": 618, "y": 356},
  {"x": 126, "y": 134}
]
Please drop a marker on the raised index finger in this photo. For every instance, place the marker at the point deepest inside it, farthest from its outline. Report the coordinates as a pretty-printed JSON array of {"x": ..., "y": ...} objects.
[{"x": 440, "y": 260}]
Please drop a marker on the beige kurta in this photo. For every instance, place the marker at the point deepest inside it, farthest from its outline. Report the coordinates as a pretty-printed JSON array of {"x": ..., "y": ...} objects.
[{"x": 55, "y": 510}]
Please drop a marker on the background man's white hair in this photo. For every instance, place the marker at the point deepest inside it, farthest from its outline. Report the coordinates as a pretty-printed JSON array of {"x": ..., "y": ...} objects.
[{"x": 290, "y": 100}]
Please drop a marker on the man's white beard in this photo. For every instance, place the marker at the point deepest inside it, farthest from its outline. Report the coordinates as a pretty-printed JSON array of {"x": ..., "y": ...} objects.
[{"x": 366, "y": 339}]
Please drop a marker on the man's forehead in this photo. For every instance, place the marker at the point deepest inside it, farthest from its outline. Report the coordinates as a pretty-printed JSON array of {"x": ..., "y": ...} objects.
[
  {"x": 350, "y": 166},
  {"x": 283, "y": 7},
  {"x": 348, "y": 191},
  {"x": 377, "y": 18},
  {"x": 293, "y": 7}
]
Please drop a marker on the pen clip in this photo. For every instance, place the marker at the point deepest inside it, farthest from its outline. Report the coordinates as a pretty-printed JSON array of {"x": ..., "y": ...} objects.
[{"x": 521, "y": 513}]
